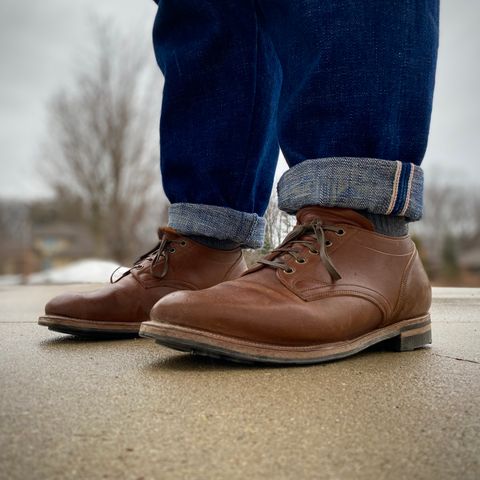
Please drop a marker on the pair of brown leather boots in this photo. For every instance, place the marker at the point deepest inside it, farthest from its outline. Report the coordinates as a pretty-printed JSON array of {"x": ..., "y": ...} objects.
[{"x": 331, "y": 289}]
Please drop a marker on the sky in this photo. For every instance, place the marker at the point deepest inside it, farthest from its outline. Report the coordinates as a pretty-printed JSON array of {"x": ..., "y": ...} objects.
[{"x": 40, "y": 43}]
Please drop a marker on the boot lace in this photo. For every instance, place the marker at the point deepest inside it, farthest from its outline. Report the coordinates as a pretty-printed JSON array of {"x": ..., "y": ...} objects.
[
  {"x": 293, "y": 239},
  {"x": 154, "y": 256}
]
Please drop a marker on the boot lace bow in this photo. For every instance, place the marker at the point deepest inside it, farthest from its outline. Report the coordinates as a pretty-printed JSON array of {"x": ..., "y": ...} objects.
[
  {"x": 160, "y": 252},
  {"x": 293, "y": 239}
]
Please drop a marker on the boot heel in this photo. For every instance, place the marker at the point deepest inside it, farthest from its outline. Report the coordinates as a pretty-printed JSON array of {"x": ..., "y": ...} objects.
[{"x": 411, "y": 339}]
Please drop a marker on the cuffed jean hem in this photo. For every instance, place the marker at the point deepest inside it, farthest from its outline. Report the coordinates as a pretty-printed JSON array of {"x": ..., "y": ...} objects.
[
  {"x": 378, "y": 186},
  {"x": 246, "y": 229}
]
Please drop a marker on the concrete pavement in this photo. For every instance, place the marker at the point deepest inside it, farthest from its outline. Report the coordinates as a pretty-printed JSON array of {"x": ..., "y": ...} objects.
[{"x": 130, "y": 409}]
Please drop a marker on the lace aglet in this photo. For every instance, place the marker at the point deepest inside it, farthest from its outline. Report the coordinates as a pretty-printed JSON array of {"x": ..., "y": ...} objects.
[{"x": 336, "y": 276}]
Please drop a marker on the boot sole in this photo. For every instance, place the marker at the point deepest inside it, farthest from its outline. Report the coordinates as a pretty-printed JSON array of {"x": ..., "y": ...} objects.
[
  {"x": 402, "y": 336},
  {"x": 90, "y": 328}
]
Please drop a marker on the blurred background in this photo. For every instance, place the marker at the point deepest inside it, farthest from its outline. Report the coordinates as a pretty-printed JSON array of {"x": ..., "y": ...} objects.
[{"x": 80, "y": 97}]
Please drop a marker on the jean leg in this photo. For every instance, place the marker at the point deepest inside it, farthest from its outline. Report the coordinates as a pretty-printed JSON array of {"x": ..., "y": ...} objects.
[
  {"x": 356, "y": 101},
  {"x": 218, "y": 133}
]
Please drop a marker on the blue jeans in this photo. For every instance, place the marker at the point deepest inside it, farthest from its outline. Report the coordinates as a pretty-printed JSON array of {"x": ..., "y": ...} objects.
[{"x": 343, "y": 88}]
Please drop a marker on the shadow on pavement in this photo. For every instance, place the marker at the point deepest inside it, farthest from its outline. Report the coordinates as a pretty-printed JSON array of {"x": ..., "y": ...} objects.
[
  {"x": 73, "y": 340},
  {"x": 195, "y": 362},
  {"x": 182, "y": 362}
]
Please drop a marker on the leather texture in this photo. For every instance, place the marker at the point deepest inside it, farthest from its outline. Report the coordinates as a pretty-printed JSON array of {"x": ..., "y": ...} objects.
[
  {"x": 382, "y": 282},
  {"x": 191, "y": 266}
]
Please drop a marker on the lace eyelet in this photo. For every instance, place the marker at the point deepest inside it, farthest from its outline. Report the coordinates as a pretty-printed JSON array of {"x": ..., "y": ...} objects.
[
  {"x": 289, "y": 271},
  {"x": 183, "y": 243},
  {"x": 301, "y": 260},
  {"x": 172, "y": 250},
  {"x": 328, "y": 243},
  {"x": 340, "y": 232},
  {"x": 314, "y": 252}
]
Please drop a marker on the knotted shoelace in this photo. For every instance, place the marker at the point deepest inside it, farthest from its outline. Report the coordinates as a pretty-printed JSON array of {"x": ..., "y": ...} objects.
[
  {"x": 154, "y": 256},
  {"x": 292, "y": 239}
]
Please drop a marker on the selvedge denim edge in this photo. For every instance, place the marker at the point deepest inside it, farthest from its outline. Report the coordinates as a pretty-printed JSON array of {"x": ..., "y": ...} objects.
[
  {"x": 378, "y": 186},
  {"x": 224, "y": 223}
]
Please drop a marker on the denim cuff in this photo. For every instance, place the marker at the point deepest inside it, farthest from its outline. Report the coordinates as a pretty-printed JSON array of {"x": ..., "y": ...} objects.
[
  {"x": 246, "y": 229},
  {"x": 378, "y": 186}
]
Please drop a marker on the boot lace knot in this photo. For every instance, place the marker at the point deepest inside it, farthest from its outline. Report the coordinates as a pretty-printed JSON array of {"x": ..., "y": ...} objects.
[
  {"x": 160, "y": 252},
  {"x": 317, "y": 246}
]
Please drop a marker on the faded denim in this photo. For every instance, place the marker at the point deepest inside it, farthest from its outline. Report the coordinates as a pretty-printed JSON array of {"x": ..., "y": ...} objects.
[
  {"x": 344, "y": 88},
  {"x": 377, "y": 186}
]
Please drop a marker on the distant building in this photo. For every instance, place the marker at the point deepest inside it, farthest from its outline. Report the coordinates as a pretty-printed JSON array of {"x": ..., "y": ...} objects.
[
  {"x": 469, "y": 259},
  {"x": 58, "y": 244}
]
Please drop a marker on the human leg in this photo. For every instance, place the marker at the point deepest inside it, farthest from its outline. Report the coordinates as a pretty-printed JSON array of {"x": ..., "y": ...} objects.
[
  {"x": 353, "y": 130},
  {"x": 219, "y": 145},
  {"x": 356, "y": 101}
]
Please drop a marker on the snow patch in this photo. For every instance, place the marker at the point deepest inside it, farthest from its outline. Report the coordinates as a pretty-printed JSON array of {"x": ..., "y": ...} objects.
[{"x": 83, "y": 271}]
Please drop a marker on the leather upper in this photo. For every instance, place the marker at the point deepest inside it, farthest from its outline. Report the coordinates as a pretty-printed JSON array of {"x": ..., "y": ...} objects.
[
  {"x": 382, "y": 281},
  {"x": 191, "y": 266}
]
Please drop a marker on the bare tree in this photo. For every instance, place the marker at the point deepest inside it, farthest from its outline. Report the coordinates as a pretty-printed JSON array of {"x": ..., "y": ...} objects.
[
  {"x": 15, "y": 237},
  {"x": 451, "y": 211},
  {"x": 278, "y": 224},
  {"x": 102, "y": 142}
]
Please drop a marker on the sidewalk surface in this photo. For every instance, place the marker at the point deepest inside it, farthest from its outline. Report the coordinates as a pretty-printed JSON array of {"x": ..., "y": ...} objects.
[{"x": 130, "y": 409}]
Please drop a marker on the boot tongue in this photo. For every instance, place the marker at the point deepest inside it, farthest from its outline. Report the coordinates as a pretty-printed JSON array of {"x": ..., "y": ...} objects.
[
  {"x": 332, "y": 216},
  {"x": 169, "y": 232}
]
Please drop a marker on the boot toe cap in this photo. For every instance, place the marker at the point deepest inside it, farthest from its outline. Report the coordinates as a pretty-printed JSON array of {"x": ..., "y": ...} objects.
[
  {"x": 173, "y": 308},
  {"x": 225, "y": 309},
  {"x": 64, "y": 305}
]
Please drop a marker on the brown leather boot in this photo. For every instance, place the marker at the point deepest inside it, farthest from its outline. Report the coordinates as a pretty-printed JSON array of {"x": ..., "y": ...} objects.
[
  {"x": 331, "y": 289},
  {"x": 176, "y": 263}
]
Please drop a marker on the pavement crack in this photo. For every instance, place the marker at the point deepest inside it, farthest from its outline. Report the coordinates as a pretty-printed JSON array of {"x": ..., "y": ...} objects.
[{"x": 457, "y": 358}]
